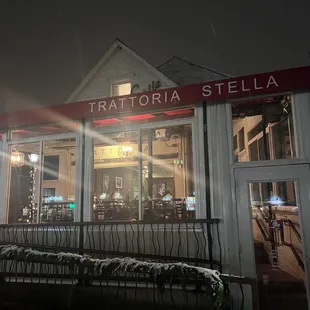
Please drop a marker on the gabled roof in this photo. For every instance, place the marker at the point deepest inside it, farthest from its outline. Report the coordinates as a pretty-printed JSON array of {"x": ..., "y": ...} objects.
[
  {"x": 184, "y": 72},
  {"x": 117, "y": 45}
]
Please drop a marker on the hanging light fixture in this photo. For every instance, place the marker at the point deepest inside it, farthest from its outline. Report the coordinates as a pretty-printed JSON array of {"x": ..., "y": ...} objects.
[
  {"x": 17, "y": 159},
  {"x": 126, "y": 149}
]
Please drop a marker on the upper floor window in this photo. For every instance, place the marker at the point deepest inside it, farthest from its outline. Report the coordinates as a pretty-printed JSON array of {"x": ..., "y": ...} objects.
[{"x": 121, "y": 89}]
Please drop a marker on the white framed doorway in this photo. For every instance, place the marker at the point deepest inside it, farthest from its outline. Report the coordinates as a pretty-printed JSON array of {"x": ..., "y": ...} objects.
[{"x": 295, "y": 176}]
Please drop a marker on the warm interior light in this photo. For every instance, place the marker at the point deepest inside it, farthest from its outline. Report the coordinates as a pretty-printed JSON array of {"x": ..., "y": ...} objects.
[
  {"x": 17, "y": 159},
  {"x": 126, "y": 150},
  {"x": 33, "y": 158}
]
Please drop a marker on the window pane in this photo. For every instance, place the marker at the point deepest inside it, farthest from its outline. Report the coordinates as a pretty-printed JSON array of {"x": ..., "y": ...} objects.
[
  {"x": 168, "y": 184},
  {"x": 241, "y": 140},
  {"x": 23, "y": 185},
  {"x": 253, "y": 150},
  {"x": 276, "y": 231},
  {"x": 235, "y": 141},
  {"x": 51, "y": 167},
  {"x": 116, "y": 193},
  {"x": 122, "y": 89},
  {"x": 58, "y": 181},
  {"x": 268, "y": 129}
]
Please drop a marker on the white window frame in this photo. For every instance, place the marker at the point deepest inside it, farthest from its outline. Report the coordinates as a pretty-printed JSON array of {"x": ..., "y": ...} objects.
[
  {"x": 115, "y": 84},
  {"x": 5, "y": 176},
  {"x": 198, "y": 159}
]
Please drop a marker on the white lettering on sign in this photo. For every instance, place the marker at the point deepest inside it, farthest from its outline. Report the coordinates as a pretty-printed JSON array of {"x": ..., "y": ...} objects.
[
  {"x": 101, "y": 105},
  {"x": 174, "y": 96},
  {"x": 118, "y": 104},
  {"x": 232, "y": 85},
  {"x": 238, "y": 86},
  {"x": 272, "y": 81},
  {"x": 223, "y": 88},
  {"x": 243, "y": 86}
]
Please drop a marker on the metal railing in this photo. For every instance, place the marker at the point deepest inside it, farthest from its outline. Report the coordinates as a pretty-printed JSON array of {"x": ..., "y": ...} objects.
[
  {"x": 280, "y": 229},
  {"x": 191, "y": 241},
  {"x": 120, "y": 281},
  {"x": 290, "y": 224}
]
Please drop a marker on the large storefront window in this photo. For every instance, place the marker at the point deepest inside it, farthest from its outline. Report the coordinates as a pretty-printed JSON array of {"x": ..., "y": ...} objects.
[
  {"x": 150, "y": 178},
  {"x": 263, "y": 131},
  {"x": 42, "y": 177}
]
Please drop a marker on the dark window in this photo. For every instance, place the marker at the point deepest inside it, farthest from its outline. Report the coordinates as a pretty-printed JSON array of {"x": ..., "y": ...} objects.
[
  {"x": 253, "y": 148},
  {"x": 255, "y": 131},
  {"x": 241, "y": 140},
  {"x": 281, "y": 137},
  {"x": 49, "y": 192},
  {"x": 51, "y": 167},
  {"x": 235, "y": 143},
  {"x": 261, "y": 149},
  {"x": 256, "y": 192}
]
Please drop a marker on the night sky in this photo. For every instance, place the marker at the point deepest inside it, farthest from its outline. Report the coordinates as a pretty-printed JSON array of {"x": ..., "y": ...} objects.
[{"x": 47, "y": 47}]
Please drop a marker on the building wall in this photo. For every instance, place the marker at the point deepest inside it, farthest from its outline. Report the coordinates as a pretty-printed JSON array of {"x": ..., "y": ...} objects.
[{"x": 121, "y": 68}]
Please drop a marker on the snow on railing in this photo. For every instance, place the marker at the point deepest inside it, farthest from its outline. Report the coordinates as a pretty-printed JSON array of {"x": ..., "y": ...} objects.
[{"x": 158, "y": 273}]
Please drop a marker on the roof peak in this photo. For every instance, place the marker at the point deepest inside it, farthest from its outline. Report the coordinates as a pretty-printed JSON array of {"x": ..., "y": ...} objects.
[
  {"x": 193, "y": 64},
  {"x": 117, "y": 44}
]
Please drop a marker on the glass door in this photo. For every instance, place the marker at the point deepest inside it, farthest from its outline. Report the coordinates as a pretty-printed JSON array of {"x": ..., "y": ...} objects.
[{"x": 273, "y": 211}]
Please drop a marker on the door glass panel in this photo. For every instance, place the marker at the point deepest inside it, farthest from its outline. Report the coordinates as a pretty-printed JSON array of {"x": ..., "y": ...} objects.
[{"x": 277, "y": 241}]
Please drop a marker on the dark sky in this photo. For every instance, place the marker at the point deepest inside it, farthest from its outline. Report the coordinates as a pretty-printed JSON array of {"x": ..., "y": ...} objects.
[{"x": 47, "y": 47}]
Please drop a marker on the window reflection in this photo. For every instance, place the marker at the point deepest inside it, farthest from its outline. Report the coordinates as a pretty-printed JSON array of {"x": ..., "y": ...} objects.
[
  {"x": 166, "y": 178},
  {"x": 42, "y": 185},
  {"x": 24, "y": 179},
  {"x": 263, "y": 131},
  {"x": 168, "y": 187}
]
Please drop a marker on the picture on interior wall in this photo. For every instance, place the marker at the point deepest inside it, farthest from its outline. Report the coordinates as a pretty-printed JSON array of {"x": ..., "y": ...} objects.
[
  {"x": 106, "y": 180},
  {"x": 118, "y": 182}
]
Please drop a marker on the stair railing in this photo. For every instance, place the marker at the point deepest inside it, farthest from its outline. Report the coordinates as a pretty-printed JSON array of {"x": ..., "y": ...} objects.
[
  {"x": 289, "y": 223},
  {"x": 285, "y": 222}
]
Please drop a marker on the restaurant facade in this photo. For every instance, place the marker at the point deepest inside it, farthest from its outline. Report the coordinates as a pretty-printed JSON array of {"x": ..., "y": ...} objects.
[{"x": 134, "y": 144}]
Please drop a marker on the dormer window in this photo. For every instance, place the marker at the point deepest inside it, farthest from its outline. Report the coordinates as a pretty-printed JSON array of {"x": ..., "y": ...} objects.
[{"x": 121, "y": 89}]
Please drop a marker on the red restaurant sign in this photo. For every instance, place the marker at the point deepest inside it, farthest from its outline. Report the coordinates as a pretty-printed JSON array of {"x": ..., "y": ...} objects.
[{"x": 297, "y": 79}]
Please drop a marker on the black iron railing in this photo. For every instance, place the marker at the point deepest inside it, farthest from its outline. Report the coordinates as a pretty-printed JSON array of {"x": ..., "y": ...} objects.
[
  {"x": 290, "y": 224},
  {"x": 121, "y": 281},
  {"x": 182, "y": 241},
  {"x": 280, "y": 229}
]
